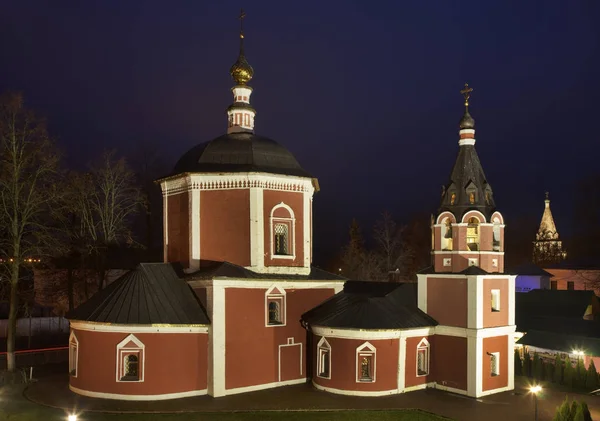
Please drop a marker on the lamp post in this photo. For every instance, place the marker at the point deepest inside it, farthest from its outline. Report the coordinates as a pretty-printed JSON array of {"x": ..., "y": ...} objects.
[{"x": 535, "y": 390}]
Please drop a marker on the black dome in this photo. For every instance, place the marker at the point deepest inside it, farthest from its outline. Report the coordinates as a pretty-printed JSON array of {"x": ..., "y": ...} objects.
[
  {"x": 467, "y": 122},
  {"x": 240, "y": 152}
]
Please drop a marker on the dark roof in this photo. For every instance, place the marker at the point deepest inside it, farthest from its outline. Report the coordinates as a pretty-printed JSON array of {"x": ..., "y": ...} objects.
[
  {"x": 371, "y": 305},
  {"x": 552, "y": 303},
  {"x": 576, "y": 264},
  {"x": 211, "y": 269},
  {"x": 529, "y": 269},
  {"x": 153, "y": 293},
  {"x": 563, "y": 342},
  {"x": 240, "y": 152},
  {"x": 471, "y": 270},
  {"x": 466, "y": 174}
]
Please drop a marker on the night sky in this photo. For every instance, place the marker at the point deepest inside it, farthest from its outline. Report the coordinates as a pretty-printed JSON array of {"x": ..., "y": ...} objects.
[{"x": 365, "y": 94}]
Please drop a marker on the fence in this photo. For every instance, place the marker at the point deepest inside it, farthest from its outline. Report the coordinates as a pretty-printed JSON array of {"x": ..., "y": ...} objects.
[
  {"x": 37, "y": 326},
  {"x": 37, "y": 357}
]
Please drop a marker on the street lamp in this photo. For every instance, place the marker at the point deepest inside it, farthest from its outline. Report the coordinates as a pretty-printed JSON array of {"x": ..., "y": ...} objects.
[
  {"x": 72, "y": 417},
  {"x": 535, "y": 390}
]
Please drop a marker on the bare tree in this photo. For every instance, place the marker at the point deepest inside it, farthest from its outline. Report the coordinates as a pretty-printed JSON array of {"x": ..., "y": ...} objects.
[
  {"x": 29, "y": 194},
  {"x": 391, "y": 250},
  {"x": 105, "y": 200}
]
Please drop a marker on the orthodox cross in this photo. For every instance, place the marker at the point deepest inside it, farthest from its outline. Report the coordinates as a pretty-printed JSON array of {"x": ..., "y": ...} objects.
[
  {"x": 241, "y": 18},
  {"x": 466, "y": 92},
  {"x": 547, "y": 195}
]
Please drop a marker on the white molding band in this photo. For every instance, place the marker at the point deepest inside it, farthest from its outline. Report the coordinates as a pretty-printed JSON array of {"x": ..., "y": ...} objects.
[
  {"x": 450, "y": 389},
  {"x": 97, "y": 327},
  {"x": 422, "y": 292},
  {"x": 217, "y": 340},
  {"x": 265, "y": 283},
  {"x": 214, "y": 181},
  {"x": 246, "y": 389},
  {"x": 401, "y": 364},
  {"x": 463, "y": 332},
  {"x": 499, "y": 253},
  {"x": 194, "y": 235},
  {"x": 124, "y": 397},
  {"x": 467, "y": 141},
  {"x": 329, "y": 332},
  {"x": 257, "y": 228},
  {"x": 355, "y": 392},
  {"x": 166, "y": 193},
  {"x": 306, "y": 234}
]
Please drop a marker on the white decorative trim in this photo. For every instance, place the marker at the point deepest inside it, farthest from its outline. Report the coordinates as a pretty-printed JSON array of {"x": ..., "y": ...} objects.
[
  {"x": 165, "y": 190},
  {"x": 467, "y": 141},
  {"x": 292, "y": 231},
  {"x": 123, "y": 397},
  {"x": 96, "y": 327},
  {"x": 73, "y": 356},
  {"x": 474, "y": 365},
  {"x": 496, "y": 213},
  {"x": 419, "y": 387},
  {"x": 450, "y": 389},
  {"x": 511, "y": 299},
  {"x": 355, "y": 392},
  {"x": 257, "y": 228},
  {"x": 194, "y": 235},
  {"x": 371, "y": 334},
  {"x": 461, "y": 276},
  {"x": 467, "y": 252},
  {"x": 279, "y": 297},
  {"x": 138, "y": 349},
  {"x": 265, "y": 283},
  {"x": 475, "y": 302},
  {"x": 401, "y": 364},
  {"x": 279, "y": 358},
  {"x": 443, "y": 215},
  {"x": 246, "y": 389},
  {"x": 323, "y": 345},
  {"x": 366, "y": 350},
  {"x": 282, "y": 270},
  {"x": 217, "y": 341},
  {"x": 214, "y": 181},
  {"x": 466, "y": 131},
  {"x": 511, "y": 362},
  {"x": 423, "y": 344},
  {"x": 473, "y": 333},
  {"x": 479, "y": 214},
  {"x": 494, "y": 391},
  {"x": 306, "y": 236},
  {"x": 422, "y": 292}
]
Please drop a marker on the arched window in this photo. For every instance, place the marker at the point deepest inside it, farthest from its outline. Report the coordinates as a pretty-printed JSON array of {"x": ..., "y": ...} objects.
[
  {"x": 324, "y": 362},
  {"x": 423, "y": 358},
  {"x": 283, "y": 224},
  {"x": 473, "y": 234},
  {"x": 73, "y": 354},
  {"x": 496, "y": 241},
  {"x": 365, "y": 359},
  {"x": 452, "y": 198},
  {"x": 130, "y": 359},
  {"x": 447, "y": 234}
]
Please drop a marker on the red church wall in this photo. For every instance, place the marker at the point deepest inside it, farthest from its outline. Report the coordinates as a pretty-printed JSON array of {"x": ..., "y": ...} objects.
[
  {"x": 252, "y": 349},
  {"x": 495, "y": 344},
  {"x": 178, "y": 228},
  {"x": 459, "y": 237},
  {"x": 294, "y": 200},
  {"x": 449, "y": 361},
  {"x": 174, "y": 363},
  {"x": 486, "y": 262},
  {"x": 486, "y": 237},
  {"x": 410, "y": 366},
  {"x": 495, "y": 318},
  {"x": 447, "y": 300},
  {"x": 437, "y": 238},
  {"x": 344, "y": 365},
  {"x": 225, "y": 226}
]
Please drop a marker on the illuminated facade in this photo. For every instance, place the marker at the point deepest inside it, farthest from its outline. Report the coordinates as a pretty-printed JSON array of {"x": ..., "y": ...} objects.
[{"x": 547, "y": 248}]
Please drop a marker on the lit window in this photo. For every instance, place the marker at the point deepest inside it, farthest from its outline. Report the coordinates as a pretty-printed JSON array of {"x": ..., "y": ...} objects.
[
  {"x": 473, "y": 234},
  {"x": 365, "y": 369},
  {"x": 275, "y": 307},
  {"x": 73, "y": 354},
  {"x": 488, "y": 199},
  {"x": 282, "y": 232},
  {"x": 324, "y": 363},
  {"x": 472, "y": 198},
  {"x": 495, "y": 363},
  {"x": 495, "y": 300},
  {"x": 423, "y": 358},
  {"x": 281, "y": 239},
  {"x": 496, "y": 240},
  {"x": 130, "y": 357},
  {"x": 452, "y": 198}
]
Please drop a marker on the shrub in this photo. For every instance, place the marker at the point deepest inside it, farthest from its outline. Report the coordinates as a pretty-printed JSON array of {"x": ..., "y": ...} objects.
[
  {"x": 591, "y": 377},
  {"x": 558, "y": 369},
  {"x": 579, "y": 380},
  {"x": 568, "y": 373}
]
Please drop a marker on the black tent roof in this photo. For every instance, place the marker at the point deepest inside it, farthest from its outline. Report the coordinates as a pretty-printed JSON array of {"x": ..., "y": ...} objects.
[
  {"x": 371, "y": 305},
  {"x": 152, "y": 293}
]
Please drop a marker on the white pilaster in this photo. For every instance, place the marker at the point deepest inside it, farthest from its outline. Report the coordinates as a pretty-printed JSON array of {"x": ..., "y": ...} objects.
[
  {"x": 511, "y": 361},
  {"x": 422, "y": 292},
  {"x": 511, "y": 299},
  {"x": 257, "y": 229},
  {"x": 216, "y": 343},
  {"x": 194, "y": 217},
  {"x": 165, "y": 190},
  {"x": 402, "y": 364},
  {"x": 474, "y": 364},
  {"x": 306, "y": 234},
  {"x": 475, "y": 302}
]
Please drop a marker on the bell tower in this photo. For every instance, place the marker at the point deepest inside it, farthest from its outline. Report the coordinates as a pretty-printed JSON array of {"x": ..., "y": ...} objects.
[{"x": 466, "y": 289}]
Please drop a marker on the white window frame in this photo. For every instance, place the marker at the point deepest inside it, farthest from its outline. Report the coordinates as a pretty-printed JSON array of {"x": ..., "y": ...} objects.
[
  {"x": 73, "y": 354},
  {"x": 496, "y": 233},
  {"x": 366, "y": 350},
  {"x": 423, "y": 346},
  {"x": 473, "y": 261},
  {"x": 123, "y": 351},
  {"x": 291, "y": 221},
  {"x": 496, "y": 356},
  {"x": 495, "y": 293},
  {"x": 323, "y": 351},
  {"x": 447, "y": 261},
  {"x": 278, "y": 295}
]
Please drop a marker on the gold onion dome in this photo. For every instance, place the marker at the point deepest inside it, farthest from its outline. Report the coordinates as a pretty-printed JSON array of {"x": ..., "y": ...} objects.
[{"x": 241, "y": 71}]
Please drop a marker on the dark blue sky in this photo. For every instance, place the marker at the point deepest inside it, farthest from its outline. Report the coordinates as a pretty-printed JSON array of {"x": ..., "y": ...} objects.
[{"x": 364, "y": 93}]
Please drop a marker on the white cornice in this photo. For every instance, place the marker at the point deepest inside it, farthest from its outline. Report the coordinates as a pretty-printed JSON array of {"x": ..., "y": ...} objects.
[
  {"x": 500, "y": 253},
  {"x": 330, "y": 332},
  {"x": 155, "y": 328},
  {"x": 265, "y": 283},
  {"x": 224, "y": 181}
]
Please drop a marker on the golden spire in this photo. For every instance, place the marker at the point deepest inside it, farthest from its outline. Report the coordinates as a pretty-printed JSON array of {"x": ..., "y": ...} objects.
[{"x": 241, "y": 71}]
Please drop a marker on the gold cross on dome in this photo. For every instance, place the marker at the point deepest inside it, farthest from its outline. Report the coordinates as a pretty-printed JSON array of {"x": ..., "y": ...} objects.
[
  {"x": 466, "y": 92},
  {"x": 241, "y": 18}
]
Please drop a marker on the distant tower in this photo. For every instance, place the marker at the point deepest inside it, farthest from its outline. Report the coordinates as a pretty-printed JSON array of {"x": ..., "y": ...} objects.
[
  {"x": 547, "y": 248},
  {"x": 466, "y": 289}
]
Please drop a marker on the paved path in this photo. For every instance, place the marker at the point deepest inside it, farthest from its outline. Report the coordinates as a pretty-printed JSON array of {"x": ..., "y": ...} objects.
[{"x": 510, "y": 406}]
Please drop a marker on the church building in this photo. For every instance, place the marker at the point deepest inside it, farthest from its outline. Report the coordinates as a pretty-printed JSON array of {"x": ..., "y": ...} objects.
[
  {"x": 547, "y": 248},
  {"x": 237, "y": 305}
]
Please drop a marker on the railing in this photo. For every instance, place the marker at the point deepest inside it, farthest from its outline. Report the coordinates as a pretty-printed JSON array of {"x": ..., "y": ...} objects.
[{"x": 37, "y": 357}]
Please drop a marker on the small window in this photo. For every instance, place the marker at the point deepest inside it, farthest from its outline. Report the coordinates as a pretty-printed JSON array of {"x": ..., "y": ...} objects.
[
  {"x": 472, "y": 198},
  {"x": 473, "y": 261},
  {"x": 130, "y": 357},
  {"x": 447, "y": 234},
  {"x": 324, "y": 363},
  {"x": 495, "y": 263},
  {"x": 275, "y": 310},
  {"x": 452, "y": 198},
  {"x": 553, "y": 285},
  {"x": 495, "y": 364},
  {"x": 365, "y": 369},
  {"x": 488, "y": 198},
  {"x": 495, "y": 300},
  {"x": 274, "y": 313},
  {"x": 282, "y": 239},
  {"x": 423, "y": 358},
  {"x": 496, "y": 239},
  {"x": 73, "y": 354},
  {"x": 131, "y": 368},
  {"x": 447, "y": 261},
  {"x": 570, "y": 284}
]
